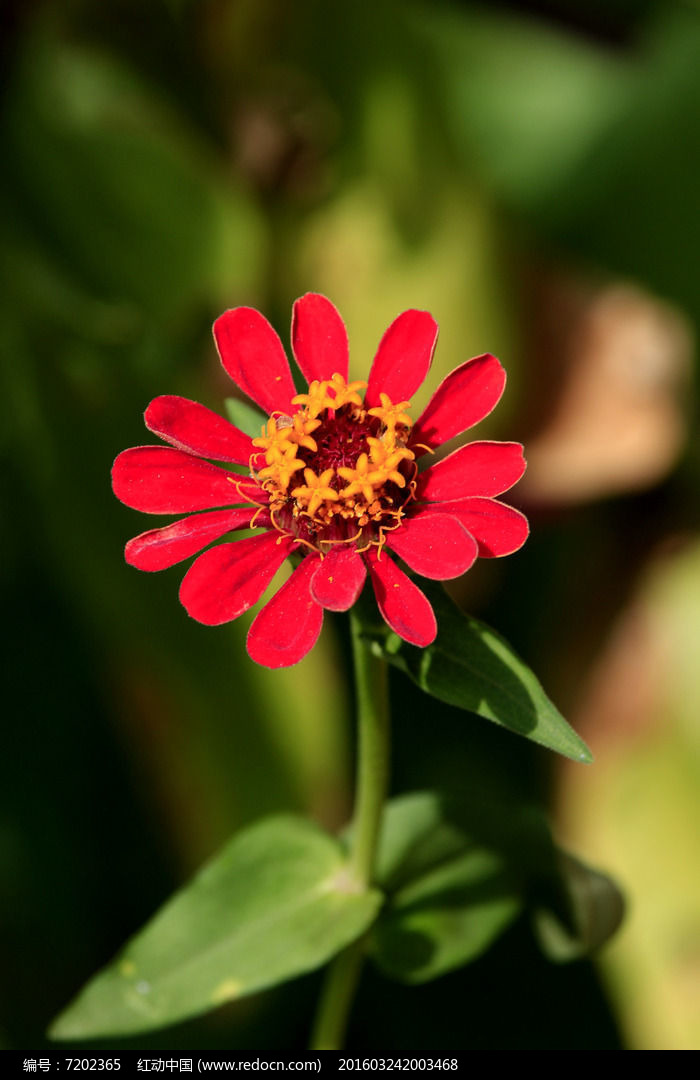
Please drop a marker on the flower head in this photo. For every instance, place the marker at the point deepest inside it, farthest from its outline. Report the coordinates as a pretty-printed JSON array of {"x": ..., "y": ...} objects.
[{"x": 333, "y": 477}]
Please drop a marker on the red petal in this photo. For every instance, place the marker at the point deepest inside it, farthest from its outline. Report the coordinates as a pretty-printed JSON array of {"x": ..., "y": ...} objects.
[
  {"x": 338, "y": 580},
  {"x": 288, "y": 626},
  {"x": 436, "y": 547},
  {"x": 497, "y": 528},
  {"x": 402, "y": 604},
  {"x": 192, "y": 427},
  {"x": 319, "y": 338},
  {"x": 462, "y": 399},
  {"x": 253, "y": 356},
  {"x": 159, "y": 480},
  {"x": 160, "y": 548},
  {"x": 403, "y": 357},
  {"x": 479, "y": 468},
  {"x": 226, "y": 580}
]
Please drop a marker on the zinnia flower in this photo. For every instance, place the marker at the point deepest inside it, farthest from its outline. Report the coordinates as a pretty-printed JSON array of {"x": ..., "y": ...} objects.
[{"x": 333, "y": 478}]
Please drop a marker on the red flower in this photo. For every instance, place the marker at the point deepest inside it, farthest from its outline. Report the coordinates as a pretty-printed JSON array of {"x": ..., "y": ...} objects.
[{"x": 332, "y": 478}]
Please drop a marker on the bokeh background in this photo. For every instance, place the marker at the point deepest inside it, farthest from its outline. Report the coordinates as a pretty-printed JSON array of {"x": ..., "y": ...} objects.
[{"x": 528, "y": 172}]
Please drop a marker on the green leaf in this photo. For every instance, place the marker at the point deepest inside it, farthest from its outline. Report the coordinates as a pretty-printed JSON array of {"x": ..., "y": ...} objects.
[
  {"x": 471, "y": 666},
  {"x": 245, "y": 416},
  {"x": 450, "y": 896},
  {"x": 457, "y": 874},
  {"x": 276, "y": 902},
  {"x": 446, "y": 921},
  {"x": 596, "y": 908},
  {"x": 415, "y": 837}
]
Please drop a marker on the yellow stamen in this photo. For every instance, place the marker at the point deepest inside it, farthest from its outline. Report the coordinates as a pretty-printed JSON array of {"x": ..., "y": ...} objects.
[
  {"x": 267, "y": 437},
  {"x": 315, "y": 400},
  {"x": 344, "y": 393},
  {"x": 391, "y": 415},
  {"x": 316, "y": 491},
  {"x": 281, "y": 472},
  {"x": 342, "y": 494},
  {"x": 360, "y": 479},
  {"x": 302, "y": 428}
]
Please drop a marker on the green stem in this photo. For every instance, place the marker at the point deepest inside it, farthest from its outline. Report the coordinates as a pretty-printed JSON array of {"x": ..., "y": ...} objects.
[
  {"x": 373, "y": 734},
  {"x": 371, "y": 687},
  {"x": 336, "y": 998}
]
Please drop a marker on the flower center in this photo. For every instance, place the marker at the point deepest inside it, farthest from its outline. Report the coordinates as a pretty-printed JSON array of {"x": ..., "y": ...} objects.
[{"x": 336, "y": 472}]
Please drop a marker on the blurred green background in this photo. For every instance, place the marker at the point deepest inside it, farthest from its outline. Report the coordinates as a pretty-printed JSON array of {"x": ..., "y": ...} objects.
[{"x": 528, "y": 172}]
